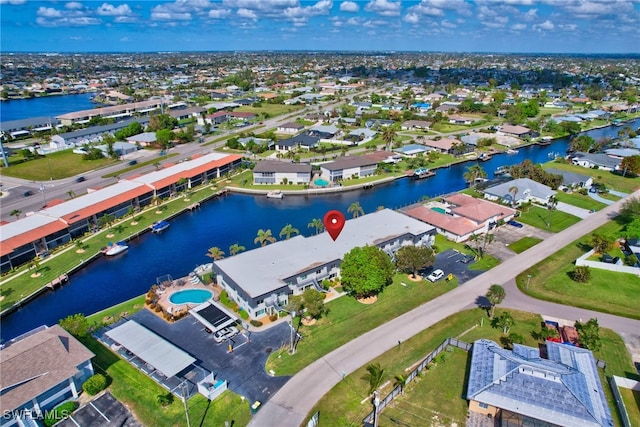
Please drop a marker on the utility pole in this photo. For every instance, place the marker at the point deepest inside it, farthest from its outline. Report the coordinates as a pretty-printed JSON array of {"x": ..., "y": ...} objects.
[
  {"x": 183, "y": 390},
  {"x": 292, "y": 349}
]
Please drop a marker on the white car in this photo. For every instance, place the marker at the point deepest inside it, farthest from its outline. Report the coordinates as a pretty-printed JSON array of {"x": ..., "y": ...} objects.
[
  {"x": 435, "y": 275},
  {"x": 225, "y": 333}
]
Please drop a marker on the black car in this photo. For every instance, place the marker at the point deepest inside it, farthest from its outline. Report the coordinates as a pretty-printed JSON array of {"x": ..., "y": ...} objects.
[
  {"x": 133, "y": 162},
  {"x": 80, "y": 179},
  {"x": 28, "y": 193}
]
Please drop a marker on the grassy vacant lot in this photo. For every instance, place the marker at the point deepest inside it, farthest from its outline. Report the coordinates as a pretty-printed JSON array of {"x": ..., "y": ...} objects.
[
  {"x": 62, "y": 164},
  {"x": 140, "y": 394},
  {"x": 523, "y": 244},
  {"x": 611, "y": 180},
  {"x": 615, "y": 293},
  {"x": 631, "y": 400},
  {"x": 348, "y": 319},
  {"x": 272, "y": 110},
  {"x": 538, "y": 217},
  {"x": 440, "y": 389},
  {"x": 579, "y": 200}
]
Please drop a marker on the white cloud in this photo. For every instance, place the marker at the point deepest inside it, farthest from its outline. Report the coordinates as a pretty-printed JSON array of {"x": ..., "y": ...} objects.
[
  {"x": 48, "y": 12},
  {"x": 169, "y": 12},
  {"x": 247, "y": 14},
  {"x": 412, "y": 18},
  {"x": 125, "y": 19},
  {"x": 13, "y": 2},
  {"x": 427, "y": 10},
  {"x": 384, "y": 7},
  {"x": 349, "y": 6},
  {"x": 219, "y": 13},
  {"x": 519, "y": 27},
  {"x": 568, "y": 27},
  {"x": 447, "y": 24},
  {"x": 530, "y": 15},
  {"x": 545, "y": 26},
  {"x": 354, "y": 21},
  {"x": 110, "y": 10},
  {"x": 74, "y": 5}
]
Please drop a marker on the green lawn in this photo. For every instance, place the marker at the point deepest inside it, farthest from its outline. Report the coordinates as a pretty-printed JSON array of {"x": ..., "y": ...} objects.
[
  {"x": 523, "y": 244},
  {"x": 615, "y": 293},
  {"x": 440, "y": 388},
  {"x": 485, "y": 263},
  {"x": 62, "y": 164},
  {"x": 611, "y": 180},
  {"x": 631, "y": 401},
  {"x": 348, "y": 319},
  {"x": 539, "y": 217},
  {"x": 579, "y": 200},
  {"x": 272, "y": 110}
]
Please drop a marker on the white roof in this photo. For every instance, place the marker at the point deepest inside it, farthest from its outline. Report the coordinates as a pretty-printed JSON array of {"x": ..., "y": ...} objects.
[
  {"x": 184, "y": 166},
  {"x": 263, "y": 270},
  {"x": 153, "y": 349},
  {"x": 31, "y": 222}
]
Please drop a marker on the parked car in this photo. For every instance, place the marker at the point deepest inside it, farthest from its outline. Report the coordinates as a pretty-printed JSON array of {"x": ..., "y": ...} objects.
[
  {"x": 435, "y": 275},
  {"x": 515, "y": 223},
  {"x": 225, "y": 333},
  {"x": 80, "y": 179}
]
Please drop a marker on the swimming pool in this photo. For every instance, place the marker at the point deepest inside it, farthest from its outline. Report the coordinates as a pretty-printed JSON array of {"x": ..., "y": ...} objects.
[
  {"x": 321, "y": 182},
  {"x": 196, "y": 296},
  {"x": 439, "y": 210}
]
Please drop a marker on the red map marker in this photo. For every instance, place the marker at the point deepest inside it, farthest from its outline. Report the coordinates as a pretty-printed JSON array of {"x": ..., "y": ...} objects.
[{"x": 334, "y": 222}]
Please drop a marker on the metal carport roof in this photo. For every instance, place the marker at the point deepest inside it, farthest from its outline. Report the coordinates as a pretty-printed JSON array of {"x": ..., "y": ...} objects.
[{"x": 154, "y": 350}]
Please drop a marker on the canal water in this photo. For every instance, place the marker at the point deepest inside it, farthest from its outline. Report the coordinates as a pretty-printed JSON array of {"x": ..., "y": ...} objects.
[
  {"x": 236, "y": 219},
  {"x": 44, "y": 106}
]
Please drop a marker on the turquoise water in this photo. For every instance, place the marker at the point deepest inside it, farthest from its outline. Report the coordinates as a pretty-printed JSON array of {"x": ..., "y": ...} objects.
[
  {"x": 321, "y": 182},
  {"x": 440, "y": 210},
  {"x": 195, "y": 296}
]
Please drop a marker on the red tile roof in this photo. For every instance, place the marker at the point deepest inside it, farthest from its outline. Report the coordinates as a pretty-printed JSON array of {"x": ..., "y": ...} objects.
[
  {"x": 456, "y": 225},
  {"x": 32, "y": 235}
]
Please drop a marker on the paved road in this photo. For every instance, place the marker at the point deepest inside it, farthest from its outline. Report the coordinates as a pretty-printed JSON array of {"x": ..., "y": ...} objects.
[{"x": 299, "y": 395}]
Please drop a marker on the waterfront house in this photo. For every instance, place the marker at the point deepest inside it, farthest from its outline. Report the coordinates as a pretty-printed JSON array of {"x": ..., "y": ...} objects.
[
  {"x": 40, "y": 370},
  {"x": 557, "y": 384},
  {"x": 281, "y": 172},
  {"x": 350, "y": 167},
  {"x": 595, "y": 161},
  {"x": 115, "y": 112},
  {"x": 289, "y": 267},
  {"x": 444, "y": 145},
  {"x": 411, "y": 150},
  {"x": 572, "y": 179},
  {"x": 526, "y": 190},
  {"x": 517, "y": 131}
]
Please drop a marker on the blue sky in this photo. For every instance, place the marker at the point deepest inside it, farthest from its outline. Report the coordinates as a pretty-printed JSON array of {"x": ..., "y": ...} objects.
[{"x": 555, "y": 26}]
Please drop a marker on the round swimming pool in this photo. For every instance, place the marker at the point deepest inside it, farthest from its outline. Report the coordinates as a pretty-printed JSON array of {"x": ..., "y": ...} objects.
[
  {"x": 195, "y": 296},
  {"x": 321, "y": 182}
]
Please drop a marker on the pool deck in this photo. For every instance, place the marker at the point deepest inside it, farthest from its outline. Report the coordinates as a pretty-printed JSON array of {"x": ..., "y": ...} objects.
[{"x": 182, "y": 284}]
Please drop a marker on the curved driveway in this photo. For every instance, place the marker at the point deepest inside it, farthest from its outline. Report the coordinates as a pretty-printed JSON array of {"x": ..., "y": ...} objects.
[{"x": 291, "y": 404}]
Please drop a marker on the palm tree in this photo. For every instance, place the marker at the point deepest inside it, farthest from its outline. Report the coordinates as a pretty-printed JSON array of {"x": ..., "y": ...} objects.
[
  {"x": 355, "y": 209},
  {"x": 474, "y": 173},
  {"x": 264, "y": 237},
  {"x": 317, "y": 224},
  {"x": 288, "y": 230},
  {"x": 495, "y": 295},
  {"x": 215, "y": 253},
  {"x": 399, "y": 380},
  {"x": 16, "y": 213},
  {"x": 71, "y": 194},
  {"x": 514, "y": 192},
  {"x": 388, "y": 135},
  {"x": 375, "y": 375},
  {"x": 236, "y": 249}
]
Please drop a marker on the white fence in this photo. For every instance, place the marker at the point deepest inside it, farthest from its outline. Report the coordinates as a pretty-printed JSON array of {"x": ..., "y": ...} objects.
[
  {"x": 582, "y": 261},
  {"x": 616, "y": 382}
]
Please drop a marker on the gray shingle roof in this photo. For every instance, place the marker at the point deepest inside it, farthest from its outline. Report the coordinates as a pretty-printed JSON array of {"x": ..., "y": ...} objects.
[{"x": 525, "y": 187}]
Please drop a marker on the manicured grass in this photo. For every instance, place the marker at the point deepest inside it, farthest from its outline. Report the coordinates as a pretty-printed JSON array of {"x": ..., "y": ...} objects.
[
  {"x": 611, "y": 180},
  {"x": 631, "y": 401},
  {"x": 123, "y": 309},
  {"x": 140, "y": 393},
  {"x": 485, "y": 263},
  {"x": 523, "y": 244},
  {"x": 271, "y": 110},
  {"x": 62, "y": 164},
  {"x": 441, "y": 388},
  {"x": 538, "y": 217},
  {"x": 615, "y": 293},
  {"x": 348, "y": 319},
  {"x": 579, "y": 200}
]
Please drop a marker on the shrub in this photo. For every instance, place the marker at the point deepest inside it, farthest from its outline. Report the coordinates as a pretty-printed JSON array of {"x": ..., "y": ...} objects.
[
  {"x": 581, "y": 274},
  {"x": 273, "y": 317},
  {"x": 244, "y": 315},
  {"x": 59, "y": 413},
  {"x": 157, "y": 309},
  {"x": 256, "y": 323},
  {"x": 95, "y": 384},
  {"x": 165, "y": 399}
]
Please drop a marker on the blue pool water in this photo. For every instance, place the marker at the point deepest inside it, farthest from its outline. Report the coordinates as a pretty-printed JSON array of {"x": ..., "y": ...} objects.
[
  {"x": 195, "y": 296},
  {"x": 321, "y": 182}
]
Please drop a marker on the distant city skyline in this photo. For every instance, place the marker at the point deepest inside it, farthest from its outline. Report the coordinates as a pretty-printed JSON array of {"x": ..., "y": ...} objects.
[{"x": 501, "y": 26}]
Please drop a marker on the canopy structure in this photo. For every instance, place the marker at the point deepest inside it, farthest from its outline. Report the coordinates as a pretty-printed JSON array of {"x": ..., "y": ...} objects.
[{"x": 154, "y": 350}]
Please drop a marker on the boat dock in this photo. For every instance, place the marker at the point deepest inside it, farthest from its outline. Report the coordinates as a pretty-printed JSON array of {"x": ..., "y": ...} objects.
[{"x": 422, "y": 173}]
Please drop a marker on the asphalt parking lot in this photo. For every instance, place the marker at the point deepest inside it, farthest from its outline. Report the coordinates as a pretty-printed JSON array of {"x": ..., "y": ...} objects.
[
  {"x": 451, "y": 261},
  {"x": 243, "y": 369},
  {"x": 102, "y": 411}
]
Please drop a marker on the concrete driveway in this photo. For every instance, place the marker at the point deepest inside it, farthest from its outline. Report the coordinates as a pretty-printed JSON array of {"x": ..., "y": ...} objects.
[
  {"x": 507, "y": 234},
  {"x": 573, "y": 210},
  {"x": 243, "y": 369}
]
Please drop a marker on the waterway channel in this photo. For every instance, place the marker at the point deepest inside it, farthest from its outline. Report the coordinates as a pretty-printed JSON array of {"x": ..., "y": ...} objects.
[{"x": 236, "y": 219}]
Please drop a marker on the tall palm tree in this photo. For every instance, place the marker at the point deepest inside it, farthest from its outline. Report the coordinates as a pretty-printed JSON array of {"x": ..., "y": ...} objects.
[
  {"x": 473, "y": 173},
  {"x": 264, "y": 237},
  {"x": 317, "y": 224},
  {"x": 388, "y": 135},
  {"x": 215, "y": 253},
  {"x": 374, "y": 375},
  {"x": 16, "y": 213},
  {"x": 288, "y": 230},
  {"x": 236, "y": 249},
  {"x": 514, "y": 192},
  {"x": 495, "y": 295},
  {"x": 355, "y": 209}
]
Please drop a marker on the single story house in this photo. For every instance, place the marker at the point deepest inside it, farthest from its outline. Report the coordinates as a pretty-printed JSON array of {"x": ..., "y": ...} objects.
[
  {"x": 376, "y": 123},
  {"x": 260, "y": 141},
  {"x": 596, "y": 161},
  {"x": 281, "y": 172},
  {"x": 186, "y": 113},
  {"x": 39, "y": 371},
  {"x": 571, "y": 179},
  {"x": 324, "y": 131},
  {"x": 412, "y": 150},
  {"x": 460, "y": 120},
  {"x": 526, "y": 386},
  {"x": 289, "y": 267},
  {"x": 304, "y": 140},
  {"x": 216, "y": 118},
  {"x": 92, "y": 134},
  {"x": 521, "y": 190},
  {"x": 143, "y": 139},
  {"x": 621, "y": 153},
  {"x": 416, "y": 124},
  {"x": 361, "y": 135},
  {"x": 349, "y": 167},
  {"x": 241, "y": 115},
  {"x": 517, "y": 131},
  {"x": 444, "y": 145},
  {"x": 460, "y": 216},
  {"x": 289, "y": 127},
  {"x": 121, "y": 148}
]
